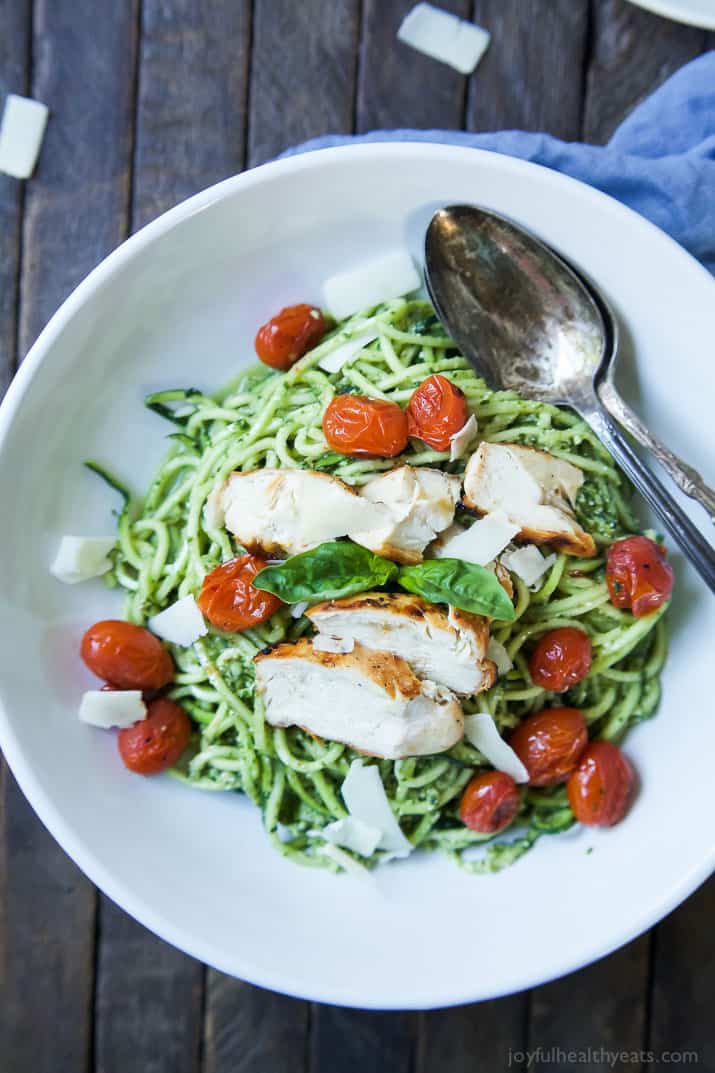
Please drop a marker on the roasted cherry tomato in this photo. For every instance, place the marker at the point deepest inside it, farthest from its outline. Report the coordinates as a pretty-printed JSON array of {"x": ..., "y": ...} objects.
[
  {"x": 289, "y": 335},
  {"x": 489, "y": 803},
  {"x": 156, "y": 742},
  {"x": 228, "y": 599},
  {"x": 638, "y": 575},
  {"x": 561, "y": 659},
  {"x": 126, "y": 656},
  {"x": 549, "y": 744},
  {"x": 436, "y": 411},
  {"x": 355, "y": 425},
  {"x": 600, "y": 788}
]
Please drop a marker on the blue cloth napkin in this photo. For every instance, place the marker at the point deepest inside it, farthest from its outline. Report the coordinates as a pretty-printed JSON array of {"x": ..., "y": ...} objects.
[{"x": 660, "y": 161}]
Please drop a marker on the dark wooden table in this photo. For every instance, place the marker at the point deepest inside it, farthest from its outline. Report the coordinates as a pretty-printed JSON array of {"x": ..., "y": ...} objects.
[{"x": 150, "y": 102}]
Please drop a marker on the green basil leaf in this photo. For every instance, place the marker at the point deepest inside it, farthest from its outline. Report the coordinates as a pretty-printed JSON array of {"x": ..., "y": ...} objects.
[
  {"x": 461, "y": 584},
  {"x": 337, "y": 568}
]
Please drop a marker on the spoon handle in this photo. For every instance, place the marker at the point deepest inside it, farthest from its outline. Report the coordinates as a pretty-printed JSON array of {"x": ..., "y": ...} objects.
[
  {"x": 686, "y": 478},
  {"x": 692, "y": 542}
]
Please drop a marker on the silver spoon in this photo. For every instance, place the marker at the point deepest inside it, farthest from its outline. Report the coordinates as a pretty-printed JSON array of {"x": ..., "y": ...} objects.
[{"x": 527, "y": 323}]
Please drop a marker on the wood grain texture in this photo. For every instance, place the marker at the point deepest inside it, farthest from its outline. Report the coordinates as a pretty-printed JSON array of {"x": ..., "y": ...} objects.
[
  {"x": 399, "y": 87},
  {"x": 46, "y": 941},
  {"x": 633, "y": 53},
  {"x": 148, "y": 1001},
  {"x": 249, "y": 1030},
  {"x": 190, "y": 127},
  {"x": 75, "y": 207},
  {"x": 303, "y": 64},
  {"x": 531, "y": 77},
  {"x": 191, "y": 108},
  {"x": 15, "y": 17},
  {"x": 603, "y": 1005},
  {"x": 75, "y": 212},
  {"x": 684, "y": 981},
  {"x": 360, "y": 1041},
  {"x": 469, "y": 1038}
]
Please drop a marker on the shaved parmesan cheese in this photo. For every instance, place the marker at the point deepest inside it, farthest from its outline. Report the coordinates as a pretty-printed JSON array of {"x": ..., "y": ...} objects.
[
  {"x": 481, "y": 731},
  {"x": 181, "y": 624},
  {"x": 21, "y": 134},
  {"x": 366, "y": 800},
  {"x": 389, "y": 276},
  {"x": 444, "y": 37},
  {"x": 298, "y": 610},
  {"x": 116, "y": 708},
  {"x": 528, "y": 563},
  {"x": 499, "y": 655},
  {"x": 323, "y": 642},
  {"x": 481, "y": 542},
  {"x": 82, "y": 558},
  {"x": 334, "y": 361},
  {"x": 353, "y": 834},
  {"x": 460, "y": 441},
  {"x": 327, "y": 505},
  {"x": 346, "y": 862}
]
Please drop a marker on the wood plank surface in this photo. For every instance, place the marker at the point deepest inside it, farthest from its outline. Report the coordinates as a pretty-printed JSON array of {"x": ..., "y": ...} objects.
[
  {"x": 633, "y": 53},
  {"x": 399, "y": 87},
  {"x": 46, "y": 942},
  {"x": 15, "y": 30},
  {"x": 358, "y": 1041},
  {"x": 531, "y": 78},
  {"x": 248, "y": 1030},
  {"x": 190, "y": 133},
  {"x": 303, "y": 64},
  {"x": 683, "y": 985},
  {"x": 480, "y": 1036},
  {"x": 602, "y": 1006},
  {"x": 75, "y": 207},
  {"x": 148, "y": 1004},
  {"x": 73, "y": 216},
  {"x": 191, "y": 109}
]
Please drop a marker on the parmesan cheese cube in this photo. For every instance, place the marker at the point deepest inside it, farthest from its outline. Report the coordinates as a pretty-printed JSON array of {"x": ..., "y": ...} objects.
[
  {"x": 444, "y": 37},
  {"x": 21, "y": 134},
  {"x": 378, "y": 280},
  {"x": 112, "y": 708},
  {"x": 82, "y": 558}
]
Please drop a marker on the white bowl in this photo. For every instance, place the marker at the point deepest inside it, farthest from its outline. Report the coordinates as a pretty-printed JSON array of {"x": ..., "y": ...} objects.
[{"x": 178, "y": 304}]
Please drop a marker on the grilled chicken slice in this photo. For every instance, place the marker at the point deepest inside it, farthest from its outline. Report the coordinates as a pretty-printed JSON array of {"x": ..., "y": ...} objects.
[
  {"x": 420, "y": 503},
  {"x": 369, "y": 700},
  {"x": 445, "y": 646},
  {"x": 533, "y": 488},
  {"x": 286, "y": 511}
]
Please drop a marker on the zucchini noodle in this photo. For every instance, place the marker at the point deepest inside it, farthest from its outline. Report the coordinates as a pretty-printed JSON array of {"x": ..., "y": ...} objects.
[{"x": 269, "y": 419}]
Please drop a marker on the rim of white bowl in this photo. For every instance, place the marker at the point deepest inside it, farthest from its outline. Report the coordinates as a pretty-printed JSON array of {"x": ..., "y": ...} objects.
[
  {"x": 682, "y": 13},
  {"x": 283, "y": 980}
]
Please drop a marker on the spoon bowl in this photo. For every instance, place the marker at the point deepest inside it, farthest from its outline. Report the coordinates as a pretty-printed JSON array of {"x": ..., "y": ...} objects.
[
  {"x": 517, "y": 311},
  {"x": 528, "y": 322}
]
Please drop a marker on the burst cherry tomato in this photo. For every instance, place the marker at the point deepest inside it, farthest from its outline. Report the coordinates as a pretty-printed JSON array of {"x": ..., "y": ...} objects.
[
  {"x": 638, "y": 575},
  {"x": 600, "y": 788},
  {"x": 550, "y": 743},
  {"x": 489, "y": 803},
  {"x": 156, "y": 742},
  {"x": 127, "y": 656},
  {"x": 289, "y": 335},
  {"x": 436, "y": 411},
  {"x": 561, "y": 659},
  {"x": 355, "y": 425},
  {"x": 228, "y": 599}
]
